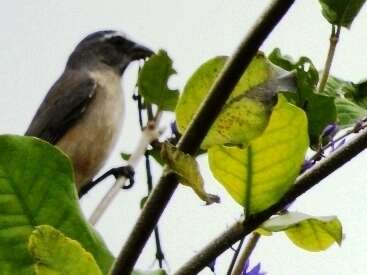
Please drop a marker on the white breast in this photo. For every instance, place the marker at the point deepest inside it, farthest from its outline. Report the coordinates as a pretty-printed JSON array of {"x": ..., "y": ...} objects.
[{"x": 91, "y": 140}]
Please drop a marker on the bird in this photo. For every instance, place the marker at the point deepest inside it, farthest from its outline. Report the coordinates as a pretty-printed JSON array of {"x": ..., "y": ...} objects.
[{"x": 83, "y": 111}]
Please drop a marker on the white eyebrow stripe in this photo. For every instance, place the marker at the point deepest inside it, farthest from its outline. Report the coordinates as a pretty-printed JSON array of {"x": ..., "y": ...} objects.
[{"x": 113, "y": 34}]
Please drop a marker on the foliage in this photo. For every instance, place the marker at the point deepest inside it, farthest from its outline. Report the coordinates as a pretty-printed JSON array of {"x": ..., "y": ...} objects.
[
  {"x": 54, "y": 253},
  {"x": 187, "y": 169},
  {"x": 350, "y": 100},
  {"x": 37, "y": 187},
  {"x": 153, "y": 82},
  {"x": 341, "y": 12},
  {"x": 310, "y": 233},
  {"x": 258, "y": 175},
  {"x": 242, "y": 110},
  {"x": 320, "y": 109},
  {"x": 255, "y": 149}
]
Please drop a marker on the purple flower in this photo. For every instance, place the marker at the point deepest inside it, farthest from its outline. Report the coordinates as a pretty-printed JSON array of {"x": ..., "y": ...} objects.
[
  {"x": 307, "y": 164},
  {"x": 330, "y": 131},
  {"x": 337, "y": 145},
  {"x": 254, "y": 271}
]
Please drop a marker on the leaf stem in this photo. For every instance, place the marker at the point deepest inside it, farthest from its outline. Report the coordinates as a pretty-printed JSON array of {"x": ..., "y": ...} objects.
[
  {"x": 195, "y": 133},
  {"x": 304, "y": 182},
  {"x": 334, "y": 38},
  {"x": 235, "y": 255},
  {"x": 249, "y": 248}
]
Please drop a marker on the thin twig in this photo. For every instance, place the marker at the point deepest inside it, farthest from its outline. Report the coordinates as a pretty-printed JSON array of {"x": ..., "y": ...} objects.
[
  {"x": 357, "y": 128},
  {"x": 195, "y": 133},
  {"x": 303, "y": 183},
  {"x": 137, "y": 97},
  {"x": 249, "y": 248},
  {"x": 235, "y": 255},
  {"x": 334, "y": 38},
  {"x": 148, "y": 135},
  {"x": 159, "y": 255}
]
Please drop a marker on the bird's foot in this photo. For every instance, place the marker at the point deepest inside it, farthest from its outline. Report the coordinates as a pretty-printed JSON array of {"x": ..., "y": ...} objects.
[{"x": 123, "y": 171}]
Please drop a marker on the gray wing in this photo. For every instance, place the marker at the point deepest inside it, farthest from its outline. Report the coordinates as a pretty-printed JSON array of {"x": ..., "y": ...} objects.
[{"x": 64, "y": 104}]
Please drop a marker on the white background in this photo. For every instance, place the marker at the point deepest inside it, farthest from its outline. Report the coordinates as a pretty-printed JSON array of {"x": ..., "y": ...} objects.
[{"x": 36, "y": 38}]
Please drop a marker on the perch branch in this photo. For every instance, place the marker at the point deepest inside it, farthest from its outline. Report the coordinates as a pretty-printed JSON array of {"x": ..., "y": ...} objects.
[
  {"x": 196, "y": 131},
  {"x": 303, "y": 183}
]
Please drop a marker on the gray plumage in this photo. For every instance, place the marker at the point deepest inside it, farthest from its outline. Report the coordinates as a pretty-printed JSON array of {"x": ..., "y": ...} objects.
[{"x": 82, "y": 112}]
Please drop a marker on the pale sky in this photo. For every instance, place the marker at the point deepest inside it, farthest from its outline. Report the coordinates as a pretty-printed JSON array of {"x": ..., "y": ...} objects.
[{"x": 38, "y": 36}]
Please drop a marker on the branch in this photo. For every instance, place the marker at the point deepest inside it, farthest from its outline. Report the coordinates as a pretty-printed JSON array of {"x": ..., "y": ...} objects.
[
  {"x": 235, "y": 255},
  {"x": 196, "y": 131},
  {"x": 303, "y": 183},
  {"x": 149, "y": 134},
  {"x": 360, "y": 125},
  {"x": 249, "y": 248},
  {"x": 334, "y": 38}
]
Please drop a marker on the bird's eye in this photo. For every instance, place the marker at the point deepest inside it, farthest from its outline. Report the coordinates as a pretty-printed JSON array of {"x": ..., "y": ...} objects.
[{"x": 117, "y": 40}]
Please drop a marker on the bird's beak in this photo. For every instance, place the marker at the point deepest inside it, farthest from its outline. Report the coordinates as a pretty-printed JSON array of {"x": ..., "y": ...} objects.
[{"x": 137, "y": 52}]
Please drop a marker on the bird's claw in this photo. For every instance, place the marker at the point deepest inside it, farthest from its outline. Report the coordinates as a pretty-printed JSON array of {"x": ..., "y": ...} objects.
[{"x": 124, "y": 171}]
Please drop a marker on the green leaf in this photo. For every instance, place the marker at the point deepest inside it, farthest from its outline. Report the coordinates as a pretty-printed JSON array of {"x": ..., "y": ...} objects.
[
  {"x": 283, "y": 61},
  {"x": 245, "y": 114},
  {"x": 321, "y": 111},
  {"x": 37, "y": 187},
  {"x": 340, "y": 88},
  {"x": 54, "y": 253},
  {"x": 348, "y": 112},
  {"x": 320, "y": 108},
  {"x": 362, "y": 94},
  {"x": 153, "y": 79},
  {"x": 257, "y": 176},
  {"x": 156, "y": 155},
  {"x": 125, "y": 156},
  {"x": 349, "y": 99},
  {"x": 307, "y": 232},
  {"x": 155, "y": 272},
  {"x": 341, "y": 12},
  {"x": 187, "y": 169}
]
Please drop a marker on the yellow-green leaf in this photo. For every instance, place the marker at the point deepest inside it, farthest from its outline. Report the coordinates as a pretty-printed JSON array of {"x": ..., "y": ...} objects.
[
  {"x": 245, "y": 114},
  {"x": 187, "y": 169},
  {"x": 263, "y": 232},
  {"x": 258, "y": 175},
  {"x": 56, "y": 254},
  {"x": 307, "y": 232}
]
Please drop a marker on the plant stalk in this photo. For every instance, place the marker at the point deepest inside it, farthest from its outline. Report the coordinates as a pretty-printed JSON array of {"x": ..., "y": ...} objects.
[
  {"x": 334, "y": 38},
  {"x": 195, "y": 133},
  {"x": 234, "y": 258},
  {"x": 249, "y": 248}
]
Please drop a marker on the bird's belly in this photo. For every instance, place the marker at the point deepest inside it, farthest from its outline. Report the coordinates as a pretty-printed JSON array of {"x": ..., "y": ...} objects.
[{"x": 91, "y": 140}]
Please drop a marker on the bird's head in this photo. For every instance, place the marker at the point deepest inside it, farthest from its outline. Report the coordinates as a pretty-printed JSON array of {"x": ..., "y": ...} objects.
[{"x": 107, "y": 48}]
